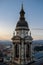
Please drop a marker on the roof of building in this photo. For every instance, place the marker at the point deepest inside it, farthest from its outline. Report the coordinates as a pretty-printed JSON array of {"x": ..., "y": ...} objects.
[{"x": 22, "y": 23}]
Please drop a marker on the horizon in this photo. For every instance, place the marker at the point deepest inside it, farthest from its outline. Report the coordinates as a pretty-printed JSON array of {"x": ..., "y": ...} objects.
[{"x": 9, "y": 15}]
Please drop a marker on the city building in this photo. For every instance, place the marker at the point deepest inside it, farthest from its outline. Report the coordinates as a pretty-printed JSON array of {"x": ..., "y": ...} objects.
[
  {"x": 22, "y": 41},
  {"x": 1, "y": 56}
]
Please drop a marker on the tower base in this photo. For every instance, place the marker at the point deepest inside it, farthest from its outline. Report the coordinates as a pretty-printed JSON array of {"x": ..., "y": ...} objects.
[{"x": 16, "y": 63}]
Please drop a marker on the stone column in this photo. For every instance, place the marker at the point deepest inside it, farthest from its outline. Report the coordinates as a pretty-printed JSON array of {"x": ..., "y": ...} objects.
[
  {"x": 25, "y": 52},
  {"x": 19, "y": 52},
  {"x": 13, "y": 49},
  {"x": 22, "y": 53},
  {"x": 30, "y": 51}
]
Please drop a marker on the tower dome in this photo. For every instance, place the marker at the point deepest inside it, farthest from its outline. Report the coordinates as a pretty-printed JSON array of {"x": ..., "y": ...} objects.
[{"x": 22, "y": 23}]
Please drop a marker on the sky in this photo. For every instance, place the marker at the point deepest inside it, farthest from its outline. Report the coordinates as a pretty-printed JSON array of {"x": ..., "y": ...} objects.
[{"x": 9, "y": 16}]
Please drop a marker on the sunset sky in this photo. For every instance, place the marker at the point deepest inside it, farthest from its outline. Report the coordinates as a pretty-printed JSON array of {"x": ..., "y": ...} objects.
[{"x": 9, "y": 15}]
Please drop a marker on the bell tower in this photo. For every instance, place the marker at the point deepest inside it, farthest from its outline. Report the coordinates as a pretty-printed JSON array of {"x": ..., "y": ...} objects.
[{"x": 22, "y": 41}]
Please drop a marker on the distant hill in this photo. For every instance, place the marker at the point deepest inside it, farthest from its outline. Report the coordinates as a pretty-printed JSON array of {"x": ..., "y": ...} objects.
[
  {"x": 37, "y": 41},
  {"x": 6, "y": 42}
]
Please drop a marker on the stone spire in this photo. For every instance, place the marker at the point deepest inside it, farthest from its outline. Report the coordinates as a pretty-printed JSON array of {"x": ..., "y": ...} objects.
[{"x": 22, "y": 13}]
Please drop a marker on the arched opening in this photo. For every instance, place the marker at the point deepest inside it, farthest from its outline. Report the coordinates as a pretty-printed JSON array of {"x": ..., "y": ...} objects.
[
  {"x": 27, "y": 51},
  {"x": 16, "y": 50}
]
